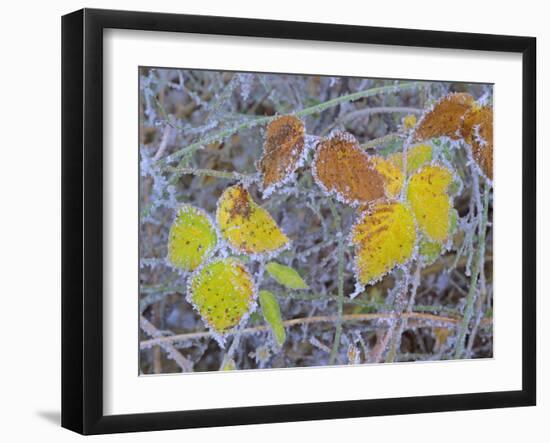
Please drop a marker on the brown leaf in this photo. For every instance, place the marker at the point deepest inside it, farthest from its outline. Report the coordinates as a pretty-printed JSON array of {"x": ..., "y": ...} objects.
[
  {"x": 478, "y": 132},
  {"x": 445, "y": 118},
  {"x": 341, "y": 167},
  {"x": 283, "y": 148}
]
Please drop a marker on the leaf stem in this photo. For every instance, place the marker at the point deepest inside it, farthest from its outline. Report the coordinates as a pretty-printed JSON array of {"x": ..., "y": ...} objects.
[
  {"x": 209, "y": 173},
  {"x": 478, "y": 263},
  {"x": 190, "y": 149},
  {"x": 338, "y": 333},
  {"x": 341, "y": 248}
]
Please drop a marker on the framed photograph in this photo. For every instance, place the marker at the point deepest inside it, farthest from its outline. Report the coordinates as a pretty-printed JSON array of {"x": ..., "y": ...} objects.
[{"x": 270, "y": 221}]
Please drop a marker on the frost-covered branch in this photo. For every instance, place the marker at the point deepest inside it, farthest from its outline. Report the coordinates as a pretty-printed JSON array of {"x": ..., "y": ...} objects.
[
  {"x": 188, "y": 150},
  {"x": 479, "y": 262},
  {"x": 147, "y": 327},
  {"x": 424, "y": 320}
]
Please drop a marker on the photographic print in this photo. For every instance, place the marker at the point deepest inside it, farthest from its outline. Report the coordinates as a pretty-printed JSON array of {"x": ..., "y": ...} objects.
[{"x": 293, "y": 220}]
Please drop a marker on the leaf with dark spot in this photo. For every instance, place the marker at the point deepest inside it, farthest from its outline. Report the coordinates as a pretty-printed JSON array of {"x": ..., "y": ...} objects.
[
  {"x": 247, "y": 227},
  {"x": 222, "y": 292}
]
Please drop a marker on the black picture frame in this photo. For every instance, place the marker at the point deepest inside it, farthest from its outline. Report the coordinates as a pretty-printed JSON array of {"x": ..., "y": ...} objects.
[{"x": 82, "y": 220}]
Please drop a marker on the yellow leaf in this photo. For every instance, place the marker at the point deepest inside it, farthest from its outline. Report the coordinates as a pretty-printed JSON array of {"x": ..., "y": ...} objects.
[
  {"x": 384, "y": 237},
  {"x": 283, "y": 149},
  {"x": 417, "y": 156},
  {"x": 247, "y": 227},
  {"x": 393, "y": 177},
  {"x": 342, "y": 168},
  {"x": 445, "y": 118},
  {"x": 191, "y": 239},
  {"x": 409, "y": 121},
  {"x": 222, "y": 292},
  {"x": 431, "y": 205}
]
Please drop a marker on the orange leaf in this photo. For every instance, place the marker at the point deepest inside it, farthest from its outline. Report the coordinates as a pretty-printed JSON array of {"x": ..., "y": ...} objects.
[
  {"x": 283, "y": 149},
  {"x": 342, "y": 168},
  {"x": 445, "y": 118},
  {"x": 478, "y": 132}
]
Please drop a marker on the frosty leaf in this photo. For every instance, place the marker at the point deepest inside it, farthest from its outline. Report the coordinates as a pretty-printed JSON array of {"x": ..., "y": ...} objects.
[
  {"x": 191, "y": 239},
  {"x": 222, "y": 292},
  {"x": 384, "y": 237},
  {"x": 283, "y": 149},
  {"x": 445, "y": 118},
  {"x": 247, "y": 227},
  {"x": 427, "y": 194},
  {"x": 429, "y": 250},
  {"x": 417, "y": 156},
  {"x": 342, "y": 168},
  {"x": 286, "y": 276},
  {"x": 478, "y": 132},
  {"x": 272, "y": 314},
  {"x": 393, "y": 177}
]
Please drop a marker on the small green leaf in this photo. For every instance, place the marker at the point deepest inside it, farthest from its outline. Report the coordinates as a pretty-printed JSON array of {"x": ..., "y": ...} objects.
[
  {"x": 286, "y": 276},
  {"x": 429, "y": 250},
  {"x": 272, "y": 314}
]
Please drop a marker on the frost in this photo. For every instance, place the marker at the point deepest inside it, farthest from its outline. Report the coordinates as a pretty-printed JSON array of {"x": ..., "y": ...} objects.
[
  {"x": 203, "y": 133},
  {"x": 246, "y": 84}
]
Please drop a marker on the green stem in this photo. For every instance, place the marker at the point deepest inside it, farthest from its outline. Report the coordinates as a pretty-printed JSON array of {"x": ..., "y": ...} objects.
[
  {"x": 341, "y": 248},
  {"x": 188, "y": 150},
  {"x": 209, "y": 173},
  {"x": 478, "y": 263},
  {"x": 392, "y": 354},
  {"x": 382, "y": 140},
  {"x": 158, "y": 292}
]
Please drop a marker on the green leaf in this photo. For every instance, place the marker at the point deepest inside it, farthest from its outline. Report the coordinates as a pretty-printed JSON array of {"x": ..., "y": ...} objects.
[
  {"x": 429, "y": 250},
  {"x": 192, "y": 238},
  {"x": 272, "y": 314},
  {"x": 286, "y": 276}
]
